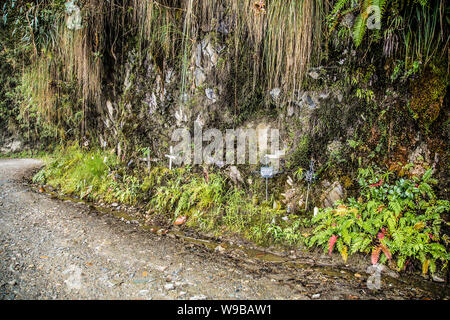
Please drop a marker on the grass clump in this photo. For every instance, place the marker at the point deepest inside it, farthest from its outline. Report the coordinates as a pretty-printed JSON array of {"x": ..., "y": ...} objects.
[
  {"x": 210, "y": 202},
  {"x": 77, "y": 172}
]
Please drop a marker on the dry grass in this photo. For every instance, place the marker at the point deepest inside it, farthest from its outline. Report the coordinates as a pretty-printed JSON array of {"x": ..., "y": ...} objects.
[{"x": 283, "y": 36}]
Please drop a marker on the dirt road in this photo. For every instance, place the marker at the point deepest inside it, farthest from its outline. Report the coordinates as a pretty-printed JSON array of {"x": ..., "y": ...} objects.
[{"x": 53, "y": 249}]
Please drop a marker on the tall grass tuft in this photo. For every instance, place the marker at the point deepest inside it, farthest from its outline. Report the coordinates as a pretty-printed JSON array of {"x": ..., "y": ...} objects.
[{"x": 283, "y": 39}]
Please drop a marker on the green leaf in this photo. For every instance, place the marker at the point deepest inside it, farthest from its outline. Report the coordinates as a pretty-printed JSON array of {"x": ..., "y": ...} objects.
[
  {"x": 359, "y": 29},
  {"x": 427, "y": 175}
]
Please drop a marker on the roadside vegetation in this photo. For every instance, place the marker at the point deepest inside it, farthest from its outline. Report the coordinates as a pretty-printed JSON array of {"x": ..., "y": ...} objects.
[
  {"x": 209, "y": 201},
  {"x": 396, "y": 218}
]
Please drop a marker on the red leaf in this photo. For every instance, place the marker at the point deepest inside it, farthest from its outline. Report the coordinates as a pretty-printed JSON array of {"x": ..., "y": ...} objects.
[
  {"x": 331, "y": 243},
  {"x": 180, "y": 221},
  {"x": 375, "y": 254},
  {"x": 406, "y": 264},
  {"x": 378, "y": 184},
  {"x": 380, "y": 235},
  {"x": 386, "y": 251}
]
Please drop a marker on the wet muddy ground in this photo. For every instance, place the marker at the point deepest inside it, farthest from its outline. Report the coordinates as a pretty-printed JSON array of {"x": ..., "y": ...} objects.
[{"x": 54, "y": 247}]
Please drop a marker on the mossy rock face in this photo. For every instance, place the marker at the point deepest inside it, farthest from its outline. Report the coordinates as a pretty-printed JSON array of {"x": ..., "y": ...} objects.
[{"x": 428, "y": 94}]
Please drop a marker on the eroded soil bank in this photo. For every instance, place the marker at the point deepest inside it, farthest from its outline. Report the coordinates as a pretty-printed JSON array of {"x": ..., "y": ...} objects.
[{"x": 62, "y": 249}]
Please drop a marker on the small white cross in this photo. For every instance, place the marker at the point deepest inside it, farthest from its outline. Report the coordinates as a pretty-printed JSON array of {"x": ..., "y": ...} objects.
[
  {"x": 275, "y": 156},
  {"x": 171, "y": 157}
]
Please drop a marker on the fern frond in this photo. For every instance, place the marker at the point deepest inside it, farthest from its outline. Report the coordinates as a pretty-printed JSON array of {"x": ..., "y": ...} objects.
[
  {"x": 375, "y": 254},
  {"x": 338, "y": 6},
  {"x": 359, "y": 29}
]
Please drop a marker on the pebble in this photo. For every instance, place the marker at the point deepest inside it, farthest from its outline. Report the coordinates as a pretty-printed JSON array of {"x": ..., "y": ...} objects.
[
  {"x": 437, "y": 279},
  {"x": 198, "y": 297},
  {"x": 316, "y": 296},
  {"x": 220, "y": 249},
  {"x": 13, "y": 282},
  {"x": 161, "y": 268},
  {"x": 169, "y": 286}
]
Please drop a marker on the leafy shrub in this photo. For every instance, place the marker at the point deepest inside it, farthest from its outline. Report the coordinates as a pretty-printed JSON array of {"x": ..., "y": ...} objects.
[{"x": 395, "y": 218}]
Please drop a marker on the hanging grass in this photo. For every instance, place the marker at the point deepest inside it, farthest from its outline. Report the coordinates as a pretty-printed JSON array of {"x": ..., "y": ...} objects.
[{"x": 283, "y": 36}]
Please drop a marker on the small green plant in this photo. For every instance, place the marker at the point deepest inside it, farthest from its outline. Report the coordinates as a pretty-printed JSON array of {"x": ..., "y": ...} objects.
[
  {"x": 365, "y": 94},
  {"x": 395, "y": 218},
  {"x": 399, "y": 71}
]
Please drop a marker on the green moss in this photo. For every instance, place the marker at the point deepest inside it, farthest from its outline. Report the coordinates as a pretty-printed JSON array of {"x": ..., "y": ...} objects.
[
  {"x": 428, "y": 94},
  {"x": 301, "y": 155}
]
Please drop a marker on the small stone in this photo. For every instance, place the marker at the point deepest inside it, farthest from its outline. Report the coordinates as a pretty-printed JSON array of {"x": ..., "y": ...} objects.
[
  {"x": 198, "y": 297},
  {"x": 114, "y": 283},
  {"x": 275, "y": 93},
  {"x": 169, "y": 286},
  {"x": 437, "y": 279},
  {"x": 220, "y": 249},
  {"x": 210, "y": 94},
  {"x": 235, "y": 175},
  {"x": 161, "y": 268},
  {"x": 115, "y": 204},
  {"x": 316, "y": 296},
  {"x": 182, "y": 293},
  {"x": 12, "y": 283},
  {"x": 314, "y": 75},
  {"x": 200, "y": 77},
  {"x": 143, "y": 292}
]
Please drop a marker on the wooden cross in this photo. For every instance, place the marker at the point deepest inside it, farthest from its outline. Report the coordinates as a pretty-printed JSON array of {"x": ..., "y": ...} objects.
[{"x": 171, "y": 157}]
